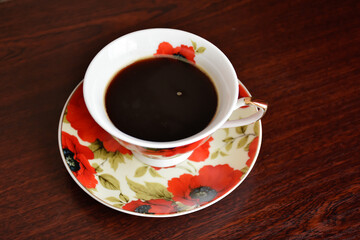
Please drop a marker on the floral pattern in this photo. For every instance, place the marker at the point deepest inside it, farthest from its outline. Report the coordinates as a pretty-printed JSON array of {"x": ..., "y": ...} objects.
[
  {"x": 211, "y": 183},
  {"x": 170, "y": 152},
  {"x": 154, "y": 206},
  {"x": 110, "y": 173},
  {"x": 252, "y": 151},
  {"x": 201, "y": 153},
  {"x": 182, "y": 51},
  {"x": 77, "y": 157}
]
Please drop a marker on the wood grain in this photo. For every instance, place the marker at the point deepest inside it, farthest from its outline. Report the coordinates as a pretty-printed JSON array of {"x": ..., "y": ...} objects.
[{"x": 301, "y": 56}]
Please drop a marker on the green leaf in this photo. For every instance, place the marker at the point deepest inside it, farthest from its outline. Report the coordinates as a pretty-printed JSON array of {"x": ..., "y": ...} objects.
[
  {"x": 98, "y": 148},
  {"x": 123, "y": 198},
  {"x": 119, "y": 205},
  {"x": 112, "y": 199},
  {"x": 242, "y": 142},
  {"x": 223, "y": 154},
  {"x": 257, "y": 128},
  {"x": 141, "y": 171},
  {"x": 226, "y": 131},
  {"x": 100, "y": 152},
  {"x": 214, "y": 154},
  {"x": 185, "y": 168},
  {"x": 65, "y": 119},
  {"x": 229, "y": 146},
  {"x": 200, "y": 50},
  {"x": 246, "y": 148},
  {"x": 192, "y": 165},
  {"x": 149, "y": 191},
  {"x": 109, "y": 182},
  {"x": 92, "y": 190},
  {"x": 182, "y": 207},
  {"x": 158, "y": 190},
  {"x": 154, "y": 173},
  {"x": 193, "y": 44},
  {"x": 115, "y": 159},
  {"x": 138, "y": 188},
  {"x": 244, "y": 170},
  {"x": 241, "y": 130},
  {"x": 97, "y": 167},
  {"x": 228, "y": 139}
]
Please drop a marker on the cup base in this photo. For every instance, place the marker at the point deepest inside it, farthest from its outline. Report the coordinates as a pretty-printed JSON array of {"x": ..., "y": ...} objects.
[{"x": 162, "y": 162}]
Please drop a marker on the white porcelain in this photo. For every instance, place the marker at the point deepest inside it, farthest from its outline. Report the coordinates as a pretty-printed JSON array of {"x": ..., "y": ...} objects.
[{"x": 134, "y": 46}]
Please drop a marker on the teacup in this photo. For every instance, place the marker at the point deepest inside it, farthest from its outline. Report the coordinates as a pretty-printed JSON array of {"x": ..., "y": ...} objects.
[{"x": 146, "y": 43}]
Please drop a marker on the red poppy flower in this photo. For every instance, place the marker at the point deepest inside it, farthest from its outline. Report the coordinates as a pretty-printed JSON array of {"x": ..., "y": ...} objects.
[
  {"x": 77, "y": 157},
  {"x": 184, "y": 51},
  {"x": 252, "y": 151},
  {"x": 242, "y": 92},
  {"x": 154, "y": 206},
  {"x": 211, "y": 183},
  {"x": 169, "y": 152},
  {"x": 201, "y": 153},
  {"x": 88, "y": 130}
]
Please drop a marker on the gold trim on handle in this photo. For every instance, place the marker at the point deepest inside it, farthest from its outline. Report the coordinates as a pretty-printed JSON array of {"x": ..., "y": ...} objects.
[{"x": 256, "y": 102}]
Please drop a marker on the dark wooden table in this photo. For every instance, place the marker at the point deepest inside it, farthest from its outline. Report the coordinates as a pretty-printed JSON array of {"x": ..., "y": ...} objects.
[{"x": 301, "y": 56}]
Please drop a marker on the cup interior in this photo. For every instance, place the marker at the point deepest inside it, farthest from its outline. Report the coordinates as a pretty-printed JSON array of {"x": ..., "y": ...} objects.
[{"x": 142, "y": 44}]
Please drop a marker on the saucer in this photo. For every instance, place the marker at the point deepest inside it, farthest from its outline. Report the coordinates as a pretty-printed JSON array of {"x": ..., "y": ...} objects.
[{"x": 111, "y": 175}]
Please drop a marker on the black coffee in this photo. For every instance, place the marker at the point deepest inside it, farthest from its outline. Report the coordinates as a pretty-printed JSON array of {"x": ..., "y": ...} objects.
[{"x": 161, "y": 99}]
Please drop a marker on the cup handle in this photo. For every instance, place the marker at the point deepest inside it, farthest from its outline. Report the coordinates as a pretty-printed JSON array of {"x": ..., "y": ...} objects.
[{"x": 248, "y": 101}]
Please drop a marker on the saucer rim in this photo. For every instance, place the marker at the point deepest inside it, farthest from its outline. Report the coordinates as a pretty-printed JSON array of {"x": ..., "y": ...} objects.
[{"x": 142, "y": 214}]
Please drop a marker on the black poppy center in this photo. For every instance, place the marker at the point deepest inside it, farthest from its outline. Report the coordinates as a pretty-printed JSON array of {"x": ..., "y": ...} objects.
[
  {"x": 179, "y": 55},
  {"x": 204, "y": 194},
  {"x": 69, "y": 158},
  {"x": 143, "y": 209}
]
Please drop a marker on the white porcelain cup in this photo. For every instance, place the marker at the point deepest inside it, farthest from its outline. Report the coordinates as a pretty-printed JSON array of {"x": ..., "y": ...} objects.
[{"x": 146, "y": 43}]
